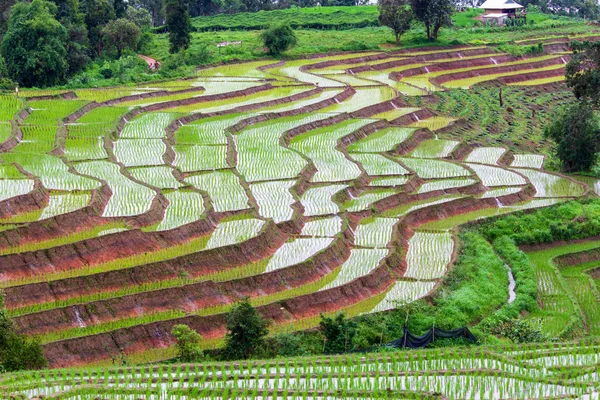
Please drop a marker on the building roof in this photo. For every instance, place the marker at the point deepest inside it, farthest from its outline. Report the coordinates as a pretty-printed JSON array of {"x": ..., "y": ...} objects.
[{"x": 500, "y": 5}]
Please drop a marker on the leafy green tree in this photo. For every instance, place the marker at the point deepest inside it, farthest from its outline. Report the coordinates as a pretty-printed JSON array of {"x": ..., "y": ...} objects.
[
  {"x": 72, "y": 18},
  {"x": 338, "y": 332},
  {"x": 120, "y": 8},
  {"x": 178, "y": 24},
  {"x": 395, "y": 14},
  {"x": 577, "y": 135},
  {"x": 17, "y": 352},
  {"x": 288, "y": 345},
  {"x": 246, "y": 331},
  {"x": 434, "y": 14},
  {"x": 98, "y": 13},
  {"x": 5, "y": 7},
  {"x": 34, "y": 46},
  {"x": 279, "y": 38},
  {"x": 188, "y": 343},
  {"x": 156, "y": 8},
  {"x": 121, "y": 34},
  {"x": 583, "y": 71},
  {"x": 139, "y": 16}
]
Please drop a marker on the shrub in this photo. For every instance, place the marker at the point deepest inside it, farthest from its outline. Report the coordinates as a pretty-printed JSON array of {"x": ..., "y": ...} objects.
[
  {"x": 279, "y": 38},
  {"x": 188, "y": 343},
  {"x": 338, "y": 332},
  {"x": 516, "y": 329}
]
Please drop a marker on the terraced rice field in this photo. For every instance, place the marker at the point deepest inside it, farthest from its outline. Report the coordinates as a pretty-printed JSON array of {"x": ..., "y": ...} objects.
[
  {"x": 293, "y": 184},
  {"x": 516, "y": 372}
]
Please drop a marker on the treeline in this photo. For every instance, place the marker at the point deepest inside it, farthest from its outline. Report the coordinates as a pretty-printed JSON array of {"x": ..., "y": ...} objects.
[{"x": 45, "y": 42}]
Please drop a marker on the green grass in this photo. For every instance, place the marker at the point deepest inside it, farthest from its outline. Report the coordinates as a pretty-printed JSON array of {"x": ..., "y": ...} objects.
[{"x": 310, "y": 17}]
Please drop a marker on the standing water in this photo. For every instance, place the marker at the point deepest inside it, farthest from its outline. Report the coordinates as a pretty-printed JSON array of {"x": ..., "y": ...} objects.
[
  {"x": 78, "y": 318},
  {"x": 512, "y": 295}
]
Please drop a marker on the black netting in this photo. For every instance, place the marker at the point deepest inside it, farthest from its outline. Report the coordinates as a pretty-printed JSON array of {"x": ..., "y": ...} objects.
[{"x": 414, "y": 342}]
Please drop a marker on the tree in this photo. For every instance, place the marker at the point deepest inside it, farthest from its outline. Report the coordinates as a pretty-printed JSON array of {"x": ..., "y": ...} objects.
[
  {"x": 396, "y": 15},
  {"x": 577, "y": 135},
  {"x": 338, "y": 332},
  {"x": 155, "y": 7},
  {"x": 120, "y": 8},
  {"x": 435, "y": 14},
  {"x": 178, "y": 24},
  {"x": 98, "y": 13},
  {"x": 34, "y": 46},
  {"x": 246, "y": 331},
  {"x": 583, "y": 71},
  {"x": 121, "y": 34},
  {"x": 5, "y": 7},
  {"x": 279, "y": 38},
  {"x": 139, "y": 16},
  {"x": 188, "y": 343},
  {"x": 17, "y": 352},
  {"x": 70, "y": 16}
]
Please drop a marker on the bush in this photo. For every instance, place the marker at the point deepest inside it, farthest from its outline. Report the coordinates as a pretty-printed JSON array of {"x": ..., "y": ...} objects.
[
  {"x": 516, "y": 329},
  {"x": 17, "y": 352},
  {"x": 188, "y": 344},
  {"x": 279, "y": 38},
  {"x": 338, "y": 332}
]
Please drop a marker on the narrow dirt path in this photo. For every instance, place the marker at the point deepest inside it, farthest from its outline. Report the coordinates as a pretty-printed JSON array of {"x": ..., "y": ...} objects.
[{"x": 152, "y": 63}]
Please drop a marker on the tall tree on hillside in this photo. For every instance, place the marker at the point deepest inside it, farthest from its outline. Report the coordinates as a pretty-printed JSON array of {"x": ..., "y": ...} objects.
[
  {"x": 246, "y": 331},
  {"x": 583, "y": 71},
  {"x": 70, "y": 16},
  {"x": 178, "y": 24},
  {"x": 395, "y": 14},
  {"x": 98, "y": 13},
  {"x": 5, "y": 7},
  {"x": 576, "y": 132},
  {"x": 121, "y": 34},
  {"x": 120, "y": 7},
  {"x": 34, "y": 46},
  {"x": 155, "y": 7},
  {"x": 434, "y": 14}
]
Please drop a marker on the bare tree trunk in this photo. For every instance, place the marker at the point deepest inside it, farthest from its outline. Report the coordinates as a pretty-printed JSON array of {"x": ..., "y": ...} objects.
[{"x": 397, "y": 39}]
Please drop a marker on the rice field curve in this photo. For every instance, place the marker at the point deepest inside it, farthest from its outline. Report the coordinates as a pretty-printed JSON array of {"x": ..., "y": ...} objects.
[{"x": 310, "y": 186}]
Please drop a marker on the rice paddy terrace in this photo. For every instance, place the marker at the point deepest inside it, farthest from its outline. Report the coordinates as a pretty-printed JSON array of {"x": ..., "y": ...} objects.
[
  {"x": 525, "y": 372},
  {"x": 312, "y": 186}
]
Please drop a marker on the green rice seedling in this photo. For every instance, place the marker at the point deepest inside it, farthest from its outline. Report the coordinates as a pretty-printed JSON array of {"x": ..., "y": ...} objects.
[
  {"x": 434, "y": 148},
  {"x": 429, "y": 254},
  {"x": 495, "y": 176},
  {"x": 223, "y": 188},
  {"x": 367, "y": 198}
]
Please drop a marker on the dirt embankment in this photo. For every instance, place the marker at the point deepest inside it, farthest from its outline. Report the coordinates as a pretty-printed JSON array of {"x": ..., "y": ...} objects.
[
  {"x": 193, "y": 265},
  {"x": 32, "y": 201},
  {"x": 531, "y": 76},
  {"x": 141, "y": 96},
  {"x": 196, "y": 296},
  {"x": 96, "y": 251},
  {"x": 60, "y": 225},
  {"x": 440, "y": 80},
  {"x": 453, "y": 52},
  {"x": 578, "y": 258},
  {"x": 452, "y": 65},
  {"x": 16, "y": 134}
]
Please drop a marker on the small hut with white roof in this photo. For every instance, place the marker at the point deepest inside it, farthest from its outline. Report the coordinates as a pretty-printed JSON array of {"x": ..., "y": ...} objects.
[{"x": 499, "y": 10}]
